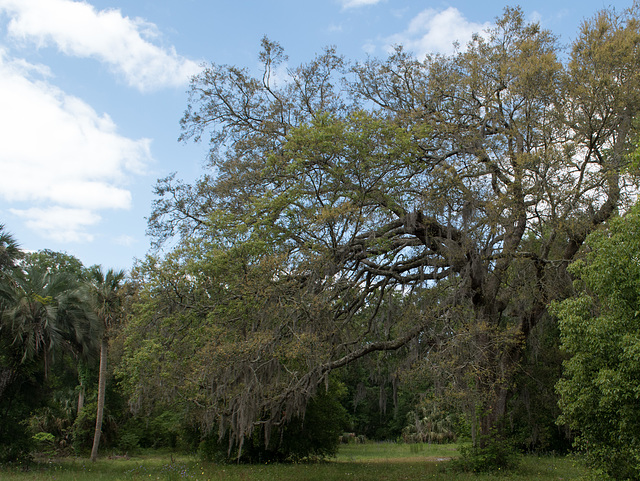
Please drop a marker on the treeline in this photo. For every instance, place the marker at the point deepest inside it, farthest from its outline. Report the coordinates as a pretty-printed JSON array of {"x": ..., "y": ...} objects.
[
  {"x": 400, "y": 248},
  {"x": 56, "y": 317}
]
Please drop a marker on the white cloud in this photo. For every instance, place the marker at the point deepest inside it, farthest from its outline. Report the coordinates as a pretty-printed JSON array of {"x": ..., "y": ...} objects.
[
  {"x": 535, "y": 17},
  {"x": 125, "y": 240},
  {"x": 433, "y": 31},
  {"x": 58, "y": 152},
  {"x": 78, "y": 29},
  {"x": 59, "y": 223},
  {"x": 357, "y": 3},
  {"x": 369, "y": 48}
]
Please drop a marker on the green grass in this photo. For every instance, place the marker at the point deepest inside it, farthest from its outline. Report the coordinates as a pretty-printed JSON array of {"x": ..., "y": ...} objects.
[
  {"x": 368, "y": 462},
  {"x": 388, "y": 452}
]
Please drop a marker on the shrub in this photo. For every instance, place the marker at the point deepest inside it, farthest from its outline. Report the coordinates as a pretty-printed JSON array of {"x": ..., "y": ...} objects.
[
  {"x": 128, "y": 443},
  {"x": 157, "y": 430},
  {"x": 83, "y": 427},
  {"x": 429, "y": 425},
  {"x": 494, "y": 454},
  {"x": 45, "y": 443}
]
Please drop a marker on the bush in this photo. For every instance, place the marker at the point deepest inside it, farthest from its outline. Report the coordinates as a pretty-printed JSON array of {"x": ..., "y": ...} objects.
[
  {"x": 84, "y": 427},
  {"x": 128, "y": 443},
  {"x": 45, "y": 443},
  {"x": 162, "y": 429},
  {"x": 494, "y": 454}
]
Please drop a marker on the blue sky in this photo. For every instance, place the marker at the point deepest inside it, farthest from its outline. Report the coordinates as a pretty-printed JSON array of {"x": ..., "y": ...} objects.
[{"x": 91, "y": 94}]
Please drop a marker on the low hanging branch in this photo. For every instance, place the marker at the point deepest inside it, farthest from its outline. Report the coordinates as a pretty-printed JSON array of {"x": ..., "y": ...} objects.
[{"x": 473, "y": 180}]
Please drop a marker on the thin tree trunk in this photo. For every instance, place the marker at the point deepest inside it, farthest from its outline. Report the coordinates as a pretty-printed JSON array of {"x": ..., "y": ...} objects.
[
  {"x": 80, "y": 398},
  {"x": 102, "y": 383}
]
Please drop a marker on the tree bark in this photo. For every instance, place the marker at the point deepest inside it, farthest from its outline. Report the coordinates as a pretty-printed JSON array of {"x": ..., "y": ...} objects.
[
  {"x": 102, "y": 383},
  {"x": 80, "y": 397}
]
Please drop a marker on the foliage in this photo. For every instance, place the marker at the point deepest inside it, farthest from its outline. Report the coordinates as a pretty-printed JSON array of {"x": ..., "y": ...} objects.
[
  {"x": 19, "y": 399},
  {"x": 50, "y": 330},
  {"x": 204, "y": 353},
  {"x": 57, "y": 415},
  {"x": 312, "y": 437},
  {"x": 428, "y": 424},
  {"x": 59, "y": 262},
  {"x": 16, "y": 379},
  {"x": 10, "y": 251},
  {"x": 44, "y": 323},
  {"x": 533, "y": 407},
  {"x": 496, "y": 455},
  {"x": 365, "y": 462},
  {"x": 599, "y": 330},
  {"x": 84, "y": 427},
  {"x": 45, "y": 443},
  {"x": 47, "y": 311},
  {"x": 378, "y": 399},
  {"x": 116, "y": 418},
  {"x": 164, "y": 429},
  {"x": 429, "y": 205}
]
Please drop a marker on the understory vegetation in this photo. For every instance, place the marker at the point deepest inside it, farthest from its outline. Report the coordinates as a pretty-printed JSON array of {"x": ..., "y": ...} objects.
[{"x": 362, "y": 462}]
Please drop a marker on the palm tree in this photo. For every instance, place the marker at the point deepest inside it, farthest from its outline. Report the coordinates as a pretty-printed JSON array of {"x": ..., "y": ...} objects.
[
  {"x": 9, "y": 250},
  {"x": 106, "y": 290},
  {"x": 46, "y": 311},
  {"x": 9, "y": 254}
]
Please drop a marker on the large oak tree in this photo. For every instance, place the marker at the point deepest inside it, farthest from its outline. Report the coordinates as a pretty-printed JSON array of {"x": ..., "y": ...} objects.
[{"x": 428, "y": 204}]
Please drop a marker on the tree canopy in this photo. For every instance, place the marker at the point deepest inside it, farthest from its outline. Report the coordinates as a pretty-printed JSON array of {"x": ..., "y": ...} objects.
[{"x": 428, "y": 205}]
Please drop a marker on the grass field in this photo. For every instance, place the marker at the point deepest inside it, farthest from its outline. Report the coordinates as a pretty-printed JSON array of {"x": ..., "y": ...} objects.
[{"x": 356, "y": 462}]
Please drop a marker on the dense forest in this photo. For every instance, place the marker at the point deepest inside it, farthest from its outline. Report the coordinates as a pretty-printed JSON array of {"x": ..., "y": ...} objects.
[{"x": 396, "y": 249}]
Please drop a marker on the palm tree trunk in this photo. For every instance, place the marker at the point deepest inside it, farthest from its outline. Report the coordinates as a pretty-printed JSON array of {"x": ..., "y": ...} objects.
[
  {"x": 102, "y": 384},
  {"x": 80, "y": 398},
  {"x": 82, "y": 381}
]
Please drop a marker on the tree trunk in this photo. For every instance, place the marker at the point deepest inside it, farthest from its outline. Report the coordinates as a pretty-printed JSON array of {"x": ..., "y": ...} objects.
[
  {"x": 80, "y": 398},
  {"x": 102, "y": 383}
]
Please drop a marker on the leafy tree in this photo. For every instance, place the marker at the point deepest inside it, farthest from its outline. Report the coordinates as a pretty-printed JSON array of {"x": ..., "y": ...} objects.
[
  {"x": 58, "y": 262},
  {"x": 464, "y": 184},
  {"x": 599, "y": 330}
]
